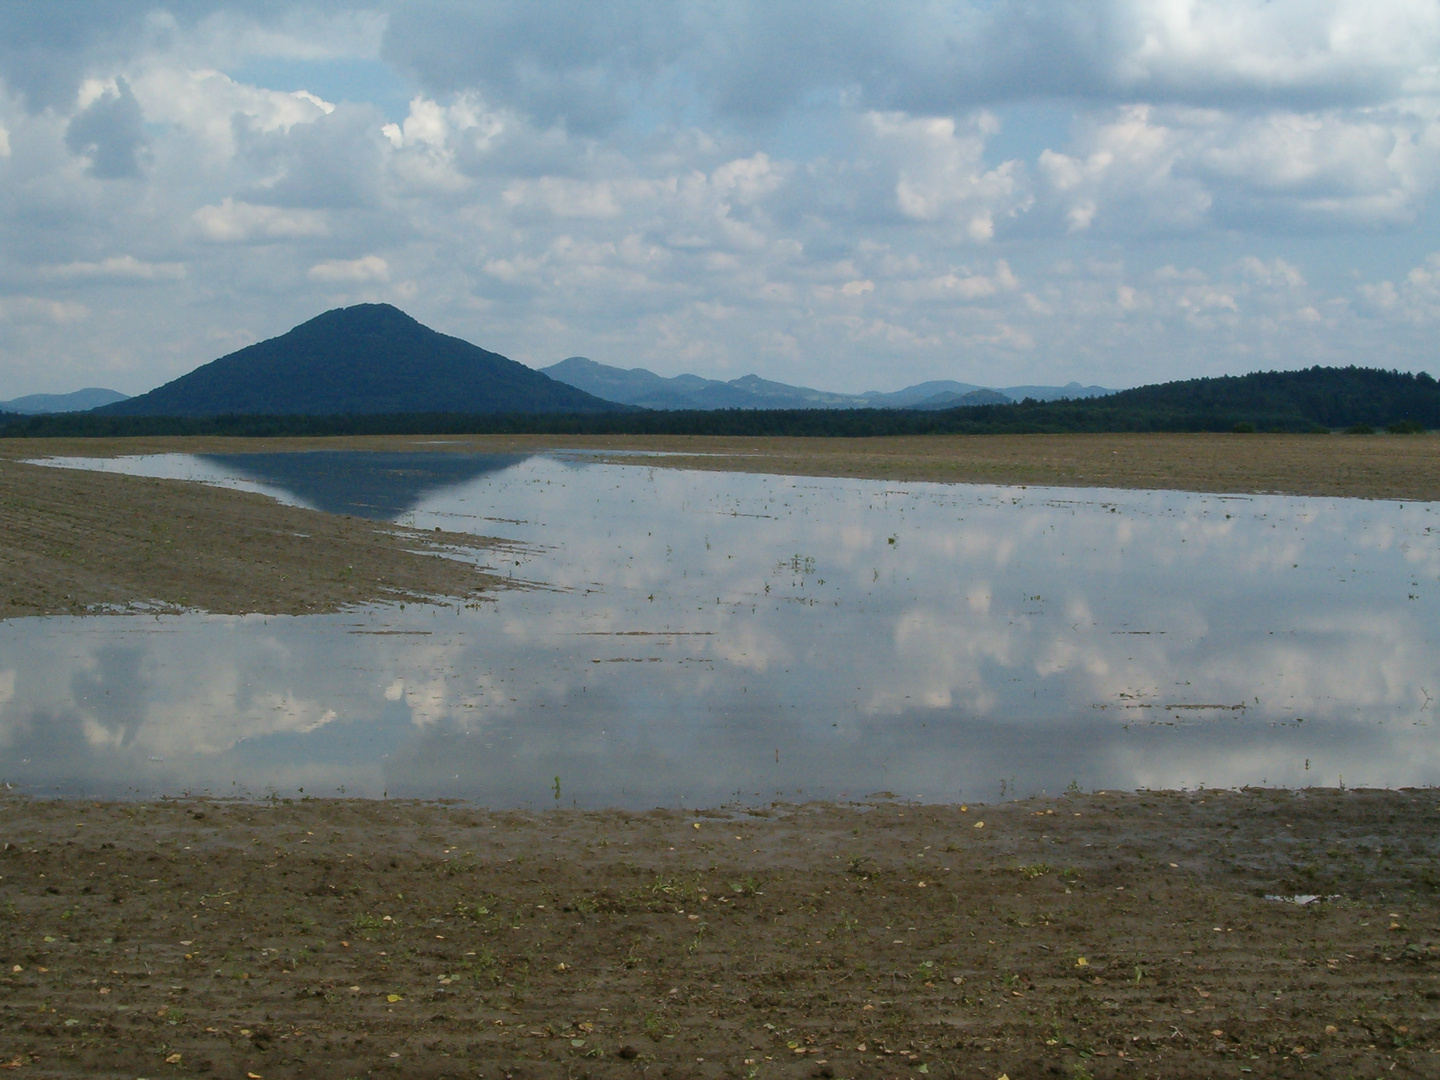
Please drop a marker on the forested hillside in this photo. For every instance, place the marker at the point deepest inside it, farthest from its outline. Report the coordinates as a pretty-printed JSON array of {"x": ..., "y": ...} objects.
[{"x": 1317, "y": 399}]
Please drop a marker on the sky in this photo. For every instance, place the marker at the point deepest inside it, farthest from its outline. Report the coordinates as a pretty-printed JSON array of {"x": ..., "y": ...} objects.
[{"x": 853, "y": 196}]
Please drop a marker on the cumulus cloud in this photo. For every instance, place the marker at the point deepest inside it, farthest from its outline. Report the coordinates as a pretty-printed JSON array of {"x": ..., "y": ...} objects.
[
  {"x": 1145, "y": 167},
  {"x": 849, "y": 196},
  {"x": 1415, "y": 298},
  {"x": 216, "y": 110},
  {"x": 365, "y": 268},
  {"x": 941, "y": 173},
  {"x": 109, "y": 131},
  {"x": 231, "y": 221},
  {"x": 33, "y": 308},
  {"x": 117, "y": 268},
  {"x": 583, "y": 62}
]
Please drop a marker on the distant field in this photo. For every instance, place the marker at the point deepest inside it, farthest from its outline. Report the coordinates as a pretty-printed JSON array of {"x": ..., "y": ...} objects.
[{"x": 1359, "y": 466}]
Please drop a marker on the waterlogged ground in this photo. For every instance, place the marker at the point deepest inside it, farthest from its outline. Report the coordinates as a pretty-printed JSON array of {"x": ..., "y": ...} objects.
[
  {"x": 711, "y": 640},
  {"x": 703, "y": 638}
]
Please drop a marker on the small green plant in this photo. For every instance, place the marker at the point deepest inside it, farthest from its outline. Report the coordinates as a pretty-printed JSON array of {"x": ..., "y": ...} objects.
[
  {"x": 1033, "y": 871},
  {"x": 657, "y": 1027},
  {"x": 463, "y": 865},
  {"x": 633, "y": 957},
  {"x": 486, "y": 907},
  {"x": 366, "y": 922},
  {"x": 483, "y": 960}
]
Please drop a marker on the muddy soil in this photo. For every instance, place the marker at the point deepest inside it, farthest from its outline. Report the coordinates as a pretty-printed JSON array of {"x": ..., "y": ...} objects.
[
  {"x": 82, "y": 542},
  {"x": 1090, "y": 936}
]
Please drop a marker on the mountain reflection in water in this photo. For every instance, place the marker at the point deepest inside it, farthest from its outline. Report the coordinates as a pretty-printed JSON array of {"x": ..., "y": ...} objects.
[
  {"x": 375, "y": 485},
  {"x": 715, "y": 636}
]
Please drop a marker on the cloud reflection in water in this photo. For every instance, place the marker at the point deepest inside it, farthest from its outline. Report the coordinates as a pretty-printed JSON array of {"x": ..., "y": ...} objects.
[{"x": 722, "y": 636}]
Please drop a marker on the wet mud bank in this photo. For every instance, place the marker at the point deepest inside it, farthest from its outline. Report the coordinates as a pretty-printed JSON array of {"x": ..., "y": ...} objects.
[
  {"x": 80, "y": 542},
  {"x": 1149, "y": 934}
]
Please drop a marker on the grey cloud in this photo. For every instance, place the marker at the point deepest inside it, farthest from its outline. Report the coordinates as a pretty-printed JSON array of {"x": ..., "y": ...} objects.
[
  {"x": 588, "y": 64},
  {"x": 45, "y": 49},
  {"x": 330, "y": 163},
  {"x": 584, "y": 63},
  {"x": 573, "y": 62},
  {"x": 110, "y": 131}
]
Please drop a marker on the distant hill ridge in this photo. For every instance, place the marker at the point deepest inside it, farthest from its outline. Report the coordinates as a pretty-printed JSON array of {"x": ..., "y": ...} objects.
[
  {"x": 367, "y": 359},
  {"x": 89, "y": 398},
  {"x": 372, "y": 369},
  {"x": 1314, "y": 400},
  {"x": 644, "y": 388}
]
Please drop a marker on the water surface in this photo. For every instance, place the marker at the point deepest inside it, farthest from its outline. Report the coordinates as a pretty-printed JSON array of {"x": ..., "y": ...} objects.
[{"x": 708, "y": 637}]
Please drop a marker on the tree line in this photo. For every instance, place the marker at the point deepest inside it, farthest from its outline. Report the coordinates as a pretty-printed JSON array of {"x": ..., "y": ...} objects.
[{"x": 1317, "y": 399}]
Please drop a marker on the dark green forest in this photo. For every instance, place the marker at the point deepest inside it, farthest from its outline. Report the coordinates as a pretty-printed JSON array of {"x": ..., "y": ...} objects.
[{"x": 1314, "y": 400}]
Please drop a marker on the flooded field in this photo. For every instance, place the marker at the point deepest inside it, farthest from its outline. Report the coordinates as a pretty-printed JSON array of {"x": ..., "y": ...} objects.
[{"x": 697, "y": 638}]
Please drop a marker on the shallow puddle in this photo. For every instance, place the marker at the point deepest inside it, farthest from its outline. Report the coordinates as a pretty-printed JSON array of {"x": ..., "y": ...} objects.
[{"x": 713, "y": 637}]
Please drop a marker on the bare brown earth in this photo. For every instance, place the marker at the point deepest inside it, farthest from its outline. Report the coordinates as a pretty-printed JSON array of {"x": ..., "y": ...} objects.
[
  {"x": 1090, "y": 936},
  {"x": 73, "y": 542}
]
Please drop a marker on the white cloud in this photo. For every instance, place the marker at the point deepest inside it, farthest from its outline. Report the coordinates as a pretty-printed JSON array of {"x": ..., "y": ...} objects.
[
  {"x": 1151, "y": 167},
  {"x": 1415, "y": 299},
  {"x": 1277, "y": 273},
  {"x": 564, "y": 197},
  {"x": 33, "y": 308},
  {"x": 1129, "y": 163},
  {"x": 232, "y": 221},
  {"x": 117, "y": 268},
  {"x": 213, "y": 108},
  {"x": 366, "y": 268}
]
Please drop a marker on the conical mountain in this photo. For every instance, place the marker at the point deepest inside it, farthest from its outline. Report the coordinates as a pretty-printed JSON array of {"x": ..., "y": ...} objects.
[{"x": 371, "y": 358}]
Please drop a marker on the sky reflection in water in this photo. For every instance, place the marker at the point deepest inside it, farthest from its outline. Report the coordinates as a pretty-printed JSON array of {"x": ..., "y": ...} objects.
[{"x": 713, "y": 637}]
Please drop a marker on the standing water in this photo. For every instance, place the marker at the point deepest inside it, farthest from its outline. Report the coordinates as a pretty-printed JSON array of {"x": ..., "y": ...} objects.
[{"x": 697, "y": 638}]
